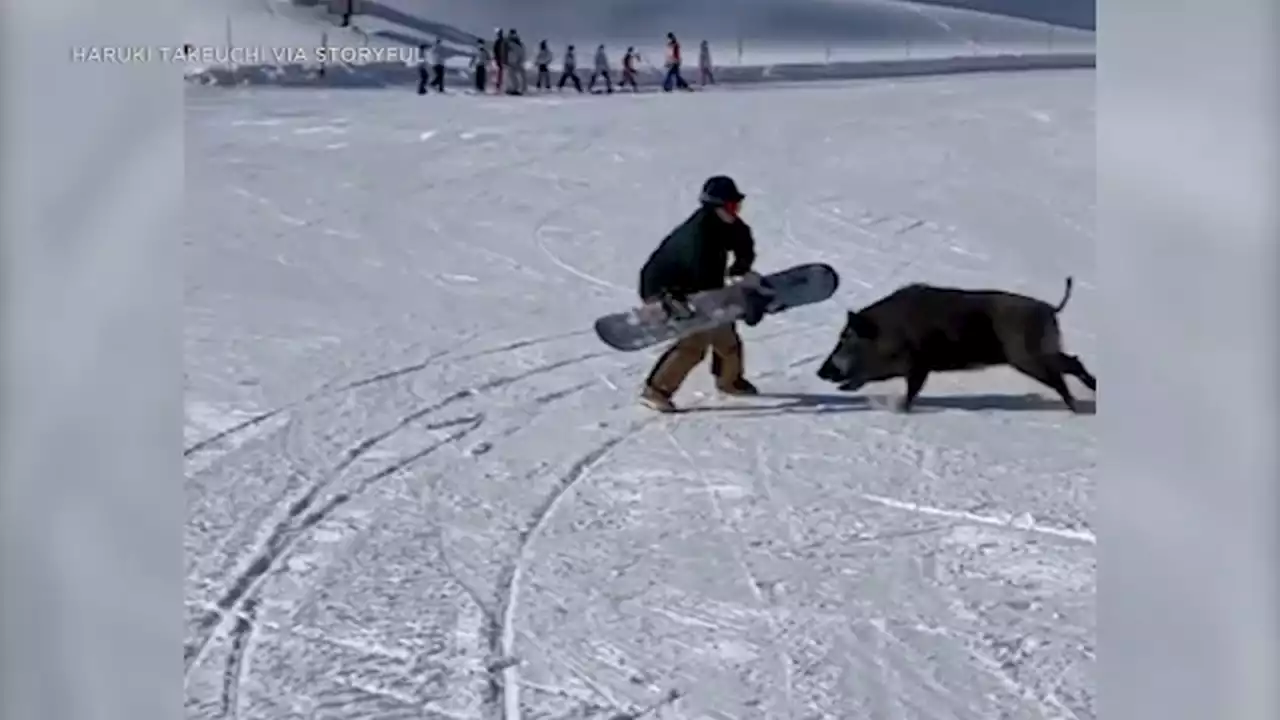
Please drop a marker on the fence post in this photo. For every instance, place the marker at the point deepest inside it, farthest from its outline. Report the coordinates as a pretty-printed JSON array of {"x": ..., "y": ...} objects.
[
  {"x": 231, "y": 55},
  {"x": 739, "y": 49},
  {"x": 826, "y": 46},
  {"x": 324, "y": 50}
]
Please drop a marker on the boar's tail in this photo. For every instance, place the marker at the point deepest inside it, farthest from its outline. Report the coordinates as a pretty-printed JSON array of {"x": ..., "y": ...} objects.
[{"x": 1065, "y": 296}]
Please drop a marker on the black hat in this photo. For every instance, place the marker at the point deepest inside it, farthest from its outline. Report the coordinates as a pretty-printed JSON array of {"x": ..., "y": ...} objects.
[{"x": 720, "y": 189}]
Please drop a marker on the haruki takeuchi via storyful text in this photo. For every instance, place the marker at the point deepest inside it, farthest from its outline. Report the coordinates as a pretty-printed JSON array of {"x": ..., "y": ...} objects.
[{"x": 262, "y": 55}]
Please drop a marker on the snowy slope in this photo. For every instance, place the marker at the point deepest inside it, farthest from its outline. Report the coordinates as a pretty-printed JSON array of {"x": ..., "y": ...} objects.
[
  {"x": 771, "y": 30},
  {"x": 758, "y": 32},
  {"x": 419, "y": 487}
]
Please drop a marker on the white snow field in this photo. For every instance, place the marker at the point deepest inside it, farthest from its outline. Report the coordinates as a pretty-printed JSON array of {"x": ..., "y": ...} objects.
[{"x": 419, "y": 487}]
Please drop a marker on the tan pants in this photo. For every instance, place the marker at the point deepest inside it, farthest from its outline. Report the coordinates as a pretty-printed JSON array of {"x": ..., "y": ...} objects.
[{"x": 681, "y": 358}]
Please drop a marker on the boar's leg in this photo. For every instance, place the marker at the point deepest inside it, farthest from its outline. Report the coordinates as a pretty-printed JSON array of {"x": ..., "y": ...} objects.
[
  {"x": 1071, "y": 365},
  {"x": 916, "y": 375},
  {"x": 1045, "y": 371}
]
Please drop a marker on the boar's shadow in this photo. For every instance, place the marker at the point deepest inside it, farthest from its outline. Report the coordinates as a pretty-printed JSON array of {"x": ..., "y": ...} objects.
[{"x": 822, "y": 403}]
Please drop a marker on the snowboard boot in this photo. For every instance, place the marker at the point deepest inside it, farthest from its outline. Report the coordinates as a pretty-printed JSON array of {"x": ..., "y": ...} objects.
[
  {"x": 740, "y": 387},
  {"x": 655, "y": 399}
]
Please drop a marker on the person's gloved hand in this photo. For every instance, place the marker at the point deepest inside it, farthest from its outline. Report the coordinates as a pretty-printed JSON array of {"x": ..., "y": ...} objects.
[
  {"x": 675, "y": 305},
  {"x": 753, "y": 281},
  {"x": 757, "y": 297}
]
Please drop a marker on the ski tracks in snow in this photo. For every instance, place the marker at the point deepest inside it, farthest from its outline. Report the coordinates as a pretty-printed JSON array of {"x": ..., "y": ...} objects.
[
  {"x": 505, "y": 662},
  {"x": 753, "y": 583},
  {"x": 232, "y": 615},
  {"x": 503, "y": 628}
]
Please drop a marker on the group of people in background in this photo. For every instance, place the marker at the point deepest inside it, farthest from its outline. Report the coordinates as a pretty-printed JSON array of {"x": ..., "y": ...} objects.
[{"x": 509, "y": 60}]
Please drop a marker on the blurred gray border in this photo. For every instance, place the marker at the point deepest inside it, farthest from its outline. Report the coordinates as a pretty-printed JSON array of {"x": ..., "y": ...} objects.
[
  {"x": 90, "y": 477},
  {"x": 1190, "y": 495},
  {"x": 91, "y": 504}
]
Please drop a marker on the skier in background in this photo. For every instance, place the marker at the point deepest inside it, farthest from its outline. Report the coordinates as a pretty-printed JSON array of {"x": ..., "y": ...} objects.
[
  {"x": 480, "y": 64},
  {"x": 674, "y": 79},
  {"x": 517, "y": 83},
  {"x": 543, "y": 61},
  {"x": 691, "y": 259},
  {"x": 601, "y": 69},
  {"x": 499, "y": 59},
  {"x": 629, "y": 70},
  {"x": 705, "y": 75},
  {"x": 569, "y": 69}
]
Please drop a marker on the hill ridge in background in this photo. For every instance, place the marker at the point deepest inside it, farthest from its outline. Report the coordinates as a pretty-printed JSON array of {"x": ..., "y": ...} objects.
[{"x": 1078, "y": 14}]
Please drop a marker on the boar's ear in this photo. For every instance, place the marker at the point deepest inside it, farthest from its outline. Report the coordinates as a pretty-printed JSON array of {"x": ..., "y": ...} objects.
[{"x": 862, "y": 326}]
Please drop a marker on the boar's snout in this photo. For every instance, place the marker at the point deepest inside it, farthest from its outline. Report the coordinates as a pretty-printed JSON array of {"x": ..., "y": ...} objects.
[
  {"x": 828, "y": 371},
  {"x": 839, "y": 365}
]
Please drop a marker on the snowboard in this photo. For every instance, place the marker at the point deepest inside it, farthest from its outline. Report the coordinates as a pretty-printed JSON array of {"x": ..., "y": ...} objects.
[{"x": 650, "y": 324}]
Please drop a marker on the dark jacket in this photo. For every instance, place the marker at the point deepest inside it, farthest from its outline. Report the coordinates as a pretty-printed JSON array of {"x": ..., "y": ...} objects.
[{"x": 693, "y": 257}]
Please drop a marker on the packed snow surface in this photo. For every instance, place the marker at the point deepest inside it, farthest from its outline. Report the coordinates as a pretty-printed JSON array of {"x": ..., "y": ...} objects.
[{"x": 419, "y": 487}]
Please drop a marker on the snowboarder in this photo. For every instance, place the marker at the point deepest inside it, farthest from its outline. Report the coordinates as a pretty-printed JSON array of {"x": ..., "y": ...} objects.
[
  {"x": 480, "y": 65},
  {"x": 601, "y": 69},
  {"x": 674, "y": 79},
  {"x": 692, "y": 259},
  {"x": 543, "y": 61},
  {"x": 499, "y": 59},
  {"x": 705, "y": 76},
  {"x": 437, "y": 65},
  {"x": 517, "y": 83},
  {"x": 569, "y": 69},
  {"x": 629, "y": 70}
]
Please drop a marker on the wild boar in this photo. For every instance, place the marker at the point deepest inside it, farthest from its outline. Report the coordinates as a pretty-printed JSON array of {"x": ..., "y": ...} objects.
[{"x": 919, "y": 329}]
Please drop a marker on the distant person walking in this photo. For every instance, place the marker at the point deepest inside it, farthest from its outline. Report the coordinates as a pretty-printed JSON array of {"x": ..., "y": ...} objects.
[
  {"x": 569, "y": 70},
  {"x": 480, "y": 64},
  {"x": 424, "y": 68},
  {"x": 543, "y": 61},
  {"x": 705, "y": 76},
  {"x": 437, "y": 65},
  {"x": 517, "y": 83},
  {"x": 499, "y": 59},
  {"x": 600, "y": 69},
  {"x": 673, "y": 79},
  {"x": 629, "y": 70}
]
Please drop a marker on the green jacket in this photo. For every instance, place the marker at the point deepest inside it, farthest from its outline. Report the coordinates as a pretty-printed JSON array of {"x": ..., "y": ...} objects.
[{"x": 693, "y": 258}]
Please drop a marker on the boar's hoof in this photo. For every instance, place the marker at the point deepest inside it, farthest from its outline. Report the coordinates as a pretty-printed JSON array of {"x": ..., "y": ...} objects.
[{"x": 850, "y": 386}]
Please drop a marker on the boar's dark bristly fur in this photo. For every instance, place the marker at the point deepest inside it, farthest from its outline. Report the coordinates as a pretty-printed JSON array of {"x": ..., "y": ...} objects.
[{"x": 920, "y": 329}]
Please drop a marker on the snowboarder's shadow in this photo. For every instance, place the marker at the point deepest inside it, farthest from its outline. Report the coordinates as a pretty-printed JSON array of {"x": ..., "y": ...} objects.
[{"x": 829, "y": 403}]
